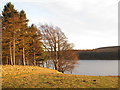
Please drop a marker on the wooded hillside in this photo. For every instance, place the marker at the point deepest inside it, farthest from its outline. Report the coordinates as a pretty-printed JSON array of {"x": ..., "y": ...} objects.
[{"x": 104, "y": 53}]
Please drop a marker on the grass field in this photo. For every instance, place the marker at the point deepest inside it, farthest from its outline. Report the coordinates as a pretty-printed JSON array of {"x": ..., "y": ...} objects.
[{"x": 37, "y": 77}]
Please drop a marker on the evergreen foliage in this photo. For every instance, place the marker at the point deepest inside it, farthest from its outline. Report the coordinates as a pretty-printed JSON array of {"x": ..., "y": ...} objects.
[{"x": 21, "y": 44}]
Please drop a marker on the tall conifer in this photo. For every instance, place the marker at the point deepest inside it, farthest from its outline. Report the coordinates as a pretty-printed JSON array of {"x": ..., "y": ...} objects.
[{"x": 10, "y": 26}]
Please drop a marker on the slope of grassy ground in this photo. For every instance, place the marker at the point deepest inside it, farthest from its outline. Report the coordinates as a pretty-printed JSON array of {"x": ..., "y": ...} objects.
[{"x": 37, "y": 77}]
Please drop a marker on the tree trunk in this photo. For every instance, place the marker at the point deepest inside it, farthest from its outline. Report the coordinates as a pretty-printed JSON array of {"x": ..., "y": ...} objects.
[
  {"x": 27, "y": 62},
  {"x": 7, "y": 62},
  {"x": 19, "y": 62},
  {"x": 11, "y": 59},
  {"x": 56, "y": 65},
  {"x": 56, "y": 58},
  {"x": 14, "y": 50},
  {"x": 24, "y": 56},
  {"x": 47, "y": 64},
  {"x": 43, "y": 63},
  {"x": 34, "y": 58}
]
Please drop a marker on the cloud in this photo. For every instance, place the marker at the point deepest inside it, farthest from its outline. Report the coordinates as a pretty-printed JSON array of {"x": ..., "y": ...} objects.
[{"x": 81, "y": 20}]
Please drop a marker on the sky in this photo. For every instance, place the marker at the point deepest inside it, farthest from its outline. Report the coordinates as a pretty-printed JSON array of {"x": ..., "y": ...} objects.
[{"x": 89, "y": 24}]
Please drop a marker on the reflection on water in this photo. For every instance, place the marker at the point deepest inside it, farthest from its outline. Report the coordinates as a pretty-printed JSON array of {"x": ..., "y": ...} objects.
[{"x": 96, "y": 67}]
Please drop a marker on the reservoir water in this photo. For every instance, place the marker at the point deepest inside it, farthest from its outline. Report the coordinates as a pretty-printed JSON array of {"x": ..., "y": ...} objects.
[{"x": 96, "y": 68}]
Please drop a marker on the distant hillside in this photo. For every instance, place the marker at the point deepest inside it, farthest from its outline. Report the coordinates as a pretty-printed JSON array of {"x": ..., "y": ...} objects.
[
  {"x": 103, "y": 53},
  {"x": 108, "y": 49}
]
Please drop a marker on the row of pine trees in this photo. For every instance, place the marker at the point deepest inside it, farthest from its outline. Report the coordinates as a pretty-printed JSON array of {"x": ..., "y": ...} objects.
[{"x": 21, "y": 44}]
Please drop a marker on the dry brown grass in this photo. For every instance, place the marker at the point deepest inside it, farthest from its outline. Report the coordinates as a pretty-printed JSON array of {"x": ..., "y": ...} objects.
[{"x": 37, "y": 77}]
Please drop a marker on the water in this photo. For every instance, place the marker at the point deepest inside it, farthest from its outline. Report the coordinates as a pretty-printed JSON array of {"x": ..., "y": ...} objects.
[{"x": 96, "y": 68}]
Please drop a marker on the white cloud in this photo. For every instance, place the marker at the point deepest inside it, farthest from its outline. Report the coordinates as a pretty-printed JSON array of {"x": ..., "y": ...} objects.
[{"x": 83, "y": 21}]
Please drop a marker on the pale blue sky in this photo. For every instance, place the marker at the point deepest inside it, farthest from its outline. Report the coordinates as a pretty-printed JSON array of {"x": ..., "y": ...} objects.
[{"x": 88, "y": 24}]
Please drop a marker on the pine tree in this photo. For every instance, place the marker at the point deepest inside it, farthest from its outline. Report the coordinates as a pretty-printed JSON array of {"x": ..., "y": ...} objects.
[
  {"x": 22, "y": 36},
  {"x": 35, "y": 44},
  {"x": 10, "y": 27}
]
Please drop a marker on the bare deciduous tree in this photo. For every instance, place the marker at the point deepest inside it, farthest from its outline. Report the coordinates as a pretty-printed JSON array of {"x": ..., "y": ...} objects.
[{"x": 58, "y": 48}]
